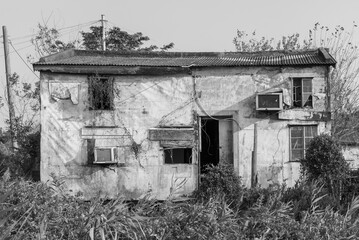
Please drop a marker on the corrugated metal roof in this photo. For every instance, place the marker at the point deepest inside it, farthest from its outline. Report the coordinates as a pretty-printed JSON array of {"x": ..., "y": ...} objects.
[{"x": 185, "y": 59}]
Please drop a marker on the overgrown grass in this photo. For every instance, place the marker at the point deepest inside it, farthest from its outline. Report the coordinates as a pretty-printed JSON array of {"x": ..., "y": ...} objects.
[{"x": 31, "y": 210}]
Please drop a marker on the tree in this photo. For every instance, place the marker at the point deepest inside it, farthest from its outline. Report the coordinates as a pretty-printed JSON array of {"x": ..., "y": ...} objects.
[
  {"x": 21, "y": 161},
  {"x": 245, "y": 42},
  {"x": 343, "y": 78},
  {"x": 344, "y": 86},
  {"x": 47, "y": 41},
  {"x": 118, "y": 40}
]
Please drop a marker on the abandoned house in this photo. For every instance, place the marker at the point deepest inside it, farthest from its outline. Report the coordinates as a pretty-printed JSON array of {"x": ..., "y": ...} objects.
[{"x": 137, "y": 123}]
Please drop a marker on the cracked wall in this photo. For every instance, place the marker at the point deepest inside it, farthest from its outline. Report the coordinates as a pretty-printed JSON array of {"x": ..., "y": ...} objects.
[
  {"x": 141, "y": 103},
  {"x": 232, "y": 91},
  {"x": 173, "y": 101}
]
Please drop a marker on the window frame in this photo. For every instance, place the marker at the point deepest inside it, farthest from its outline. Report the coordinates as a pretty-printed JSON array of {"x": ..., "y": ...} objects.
[
  {"x": 303, "y": 137},
  {"x": 179, "y": 148},
  {"x": 302, "y": 93},
  {"x": 110, "y": 92}
]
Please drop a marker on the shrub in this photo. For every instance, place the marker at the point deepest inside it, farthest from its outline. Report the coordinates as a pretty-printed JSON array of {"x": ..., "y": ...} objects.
[
  {"x": 304, "y": 193},
  {"x": 324, "y": 160},
  {"x": 218, "y": 181},
  {"x": 22, "y": 161}
]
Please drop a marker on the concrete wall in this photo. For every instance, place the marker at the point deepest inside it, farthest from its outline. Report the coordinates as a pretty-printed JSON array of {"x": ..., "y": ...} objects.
[
  {"x": 351, "y": 155},
  {"x": 148, "y": 102},
  {"x": 232, "y": 91},
  {"x": 141, "y": 103}
]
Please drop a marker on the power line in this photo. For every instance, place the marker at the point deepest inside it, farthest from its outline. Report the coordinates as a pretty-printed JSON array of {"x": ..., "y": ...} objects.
[
  {"x": 23, "y": 60},
  {"x": 60, "y": 29},
  {"x": 60, "y": 34}
]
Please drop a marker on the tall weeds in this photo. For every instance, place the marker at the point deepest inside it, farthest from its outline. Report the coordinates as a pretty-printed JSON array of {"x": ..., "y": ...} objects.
[{"x": 31, "y": 210}]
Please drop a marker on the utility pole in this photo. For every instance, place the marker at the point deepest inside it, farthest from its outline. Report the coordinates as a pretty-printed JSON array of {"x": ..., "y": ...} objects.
[
  {"x": 103, "y": 32},
  {"x": 254, "y": 174},
  {"x": 8, "y": 85}
]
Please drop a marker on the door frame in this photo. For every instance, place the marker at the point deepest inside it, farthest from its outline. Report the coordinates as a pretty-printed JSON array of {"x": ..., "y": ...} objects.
[{"x": 235, "y": 126}]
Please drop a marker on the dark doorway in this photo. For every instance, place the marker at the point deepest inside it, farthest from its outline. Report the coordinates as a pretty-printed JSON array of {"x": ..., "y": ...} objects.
[
  {"x": 216, "y": 141},
  {"x": 209, "y": 143}
]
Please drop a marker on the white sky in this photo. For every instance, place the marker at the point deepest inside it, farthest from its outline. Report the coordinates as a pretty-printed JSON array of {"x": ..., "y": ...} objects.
[{"x": 193, "y": 25}]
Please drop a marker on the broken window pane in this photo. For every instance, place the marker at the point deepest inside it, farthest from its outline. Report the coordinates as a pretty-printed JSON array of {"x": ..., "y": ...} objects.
[
  {"x": 307, "y": 100},
  {"x": 302, "y": 92},
  {"x": 297, "y": 92},
  {"x": 178, "y": 155},
  {"x": 297, "y": 143}
]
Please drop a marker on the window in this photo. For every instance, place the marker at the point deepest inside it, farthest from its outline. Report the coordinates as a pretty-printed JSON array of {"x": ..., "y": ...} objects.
[
  {"x": 302, "y": 92},
  {"x": 300, "y": 137},
  {"x": 101, "y": 93},
  {"x": 178, "y": 155}
]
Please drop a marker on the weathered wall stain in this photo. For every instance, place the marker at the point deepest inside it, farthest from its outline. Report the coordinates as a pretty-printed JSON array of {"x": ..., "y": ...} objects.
[{"x": 173, "y": 101}]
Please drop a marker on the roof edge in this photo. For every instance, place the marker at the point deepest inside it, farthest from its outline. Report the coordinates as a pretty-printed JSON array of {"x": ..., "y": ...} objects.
[
  {"x": 324, "y": 53},
  {"x": 78, "y": 52},
  {"x": 59, "y": 55}
]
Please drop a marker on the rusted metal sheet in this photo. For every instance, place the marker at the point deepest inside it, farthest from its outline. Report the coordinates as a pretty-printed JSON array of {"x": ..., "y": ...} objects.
[
  {"x": 118, "y": 70},
  {"x": 172, "y": 134},
  {"x": 172, "y": 59}
]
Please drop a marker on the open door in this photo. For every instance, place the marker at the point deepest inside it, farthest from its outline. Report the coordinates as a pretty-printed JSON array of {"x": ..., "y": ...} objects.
[{"x": 216, "y": 141}]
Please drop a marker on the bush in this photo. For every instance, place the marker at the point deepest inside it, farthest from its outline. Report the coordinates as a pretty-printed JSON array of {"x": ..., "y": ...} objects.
[
  {"x": 218, "y": 181},
  {"x": 324, "y": 160},
  {"x": 22, "y": 161},
  {"x": 36, "y": 211}
]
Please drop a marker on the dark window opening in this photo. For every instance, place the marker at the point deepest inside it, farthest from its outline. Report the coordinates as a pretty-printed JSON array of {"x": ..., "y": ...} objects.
[
  {"x": 101, "y": 93},
  {"x": 302, "y": 92},
  {"x": 300, "y": 137},
  {"x": 178, "y": 156}
]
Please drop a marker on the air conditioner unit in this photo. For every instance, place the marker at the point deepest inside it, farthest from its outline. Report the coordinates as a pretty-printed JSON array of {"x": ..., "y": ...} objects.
[
  {"x": 269, "y": 101},
  {"x": 105, "y": 155}
]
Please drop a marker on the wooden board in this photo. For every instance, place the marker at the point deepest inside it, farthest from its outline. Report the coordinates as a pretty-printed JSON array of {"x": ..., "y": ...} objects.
[{"x": 171, "y": 134}]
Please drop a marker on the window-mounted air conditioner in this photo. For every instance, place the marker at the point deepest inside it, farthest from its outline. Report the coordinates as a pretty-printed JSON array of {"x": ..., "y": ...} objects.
[
  {"x": 269, "y": 101},
  {"x": 105, "y": 155}
]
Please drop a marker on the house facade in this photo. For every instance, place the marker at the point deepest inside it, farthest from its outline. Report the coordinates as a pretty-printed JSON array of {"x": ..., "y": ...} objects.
[{"x": 137, "y": 123}]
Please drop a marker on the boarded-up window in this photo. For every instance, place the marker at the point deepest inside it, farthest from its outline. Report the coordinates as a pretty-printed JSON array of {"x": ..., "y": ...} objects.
[
  {"x": 101, "y": 93},
  {"x": 302, "y": 92},
  {"x": 300, "y": 137},
  {"x": 178, "y": 156}
]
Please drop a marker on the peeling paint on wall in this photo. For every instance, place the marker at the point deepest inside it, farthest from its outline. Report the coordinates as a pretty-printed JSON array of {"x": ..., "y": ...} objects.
[{"x": 143, "y": 102}]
